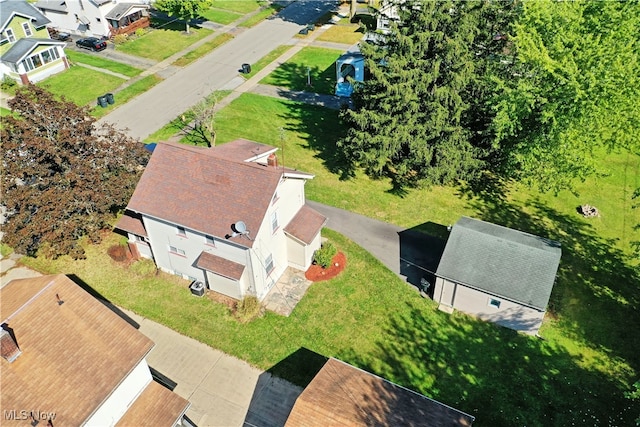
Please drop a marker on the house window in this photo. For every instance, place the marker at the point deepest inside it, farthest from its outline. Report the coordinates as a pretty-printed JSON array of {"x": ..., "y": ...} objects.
[
  {"x": 10, "y": 36},
  {"x": 274, "y": 221},
  {"x": 275, "y": 198},
  {"x": 176, "y": 251},
  {"x": 182, "y": 232},
  {"x": 27, "y": 29},
  {"x": 209, "y": 240},
  {"x": 268, "y": 264},
  {"x": 494, "y": 302}
]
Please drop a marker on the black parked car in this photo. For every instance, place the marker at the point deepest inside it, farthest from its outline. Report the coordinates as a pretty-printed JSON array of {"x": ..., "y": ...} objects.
[{"x": 92, "y": 43}]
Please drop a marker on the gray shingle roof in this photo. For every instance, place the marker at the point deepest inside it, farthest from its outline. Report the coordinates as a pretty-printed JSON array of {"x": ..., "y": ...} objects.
[
  {"x": 54, "y": 5},
  {"x": 10, "y": 8},
  {"x": 24, "y": 47},
  {"x": 123, "y": 9},
  {"x": 501, "y": 261}
]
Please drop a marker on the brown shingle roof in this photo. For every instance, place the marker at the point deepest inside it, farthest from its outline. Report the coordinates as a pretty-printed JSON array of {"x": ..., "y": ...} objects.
[
  {"x": 132, "y": 222},
  {"x": 195, "y": 188},
  {"x": 242, "y": 150},
  {"x": 341, "y": 395},
  {"x": 156, "y": 406},
  {"x": 219, "y": 265},
  {"x": 306, "y": 224},
  {"x": 73, "y": 354}
]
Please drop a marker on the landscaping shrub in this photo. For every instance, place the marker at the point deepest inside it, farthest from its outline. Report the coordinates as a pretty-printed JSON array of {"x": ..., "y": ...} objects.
[
  {"x": 8, "y": 83},
  {"x": 248, "y": 309},
  {"x": 143, "y": 267},
  {"x": 140, "y": 32},
  {"x": 325, "y": 254},
  {"x": 120, "y": 39}
]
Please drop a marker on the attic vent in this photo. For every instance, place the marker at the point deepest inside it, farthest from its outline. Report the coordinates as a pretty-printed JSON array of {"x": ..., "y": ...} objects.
[{"x": 8, "y": 346}]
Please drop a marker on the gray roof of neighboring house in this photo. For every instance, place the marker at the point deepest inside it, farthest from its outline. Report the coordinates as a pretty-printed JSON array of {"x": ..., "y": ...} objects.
[
  {"x": 22, "y": 8},
  {"x": 501, "y": 261},
  {"x": 53, "y": 5},
  {"x": 123, "y": 9},
  {"x": 23, "y": 47}
]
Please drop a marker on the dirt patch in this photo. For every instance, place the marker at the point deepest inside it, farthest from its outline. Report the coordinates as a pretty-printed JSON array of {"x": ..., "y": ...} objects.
[
  {"x": 119, "y": 253},
  {"x": 316, "y": 273},
  {"x": 222, "y": 299}
]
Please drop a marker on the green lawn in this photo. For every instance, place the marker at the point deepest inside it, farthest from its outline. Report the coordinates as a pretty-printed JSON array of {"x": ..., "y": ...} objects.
[
  {"x": 318, "y": 62},
  {"x": 239, "y": 6},
  {"x": 81, "y": 85},
  {"x": 220, "y": 16},
  {"x": 97, "y": 61},
  {"x": 202, "y": 50},
  {"x": 126, "y": 94},
  {"x": 344, "y": 32},
  {"x": 159, "y": 44},
  {"x": 268, "y": 10},
  {"x": 267, "y": 59}
]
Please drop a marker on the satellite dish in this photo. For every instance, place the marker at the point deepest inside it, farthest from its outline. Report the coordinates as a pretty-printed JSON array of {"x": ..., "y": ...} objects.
[{"x": 241, "y": 227}]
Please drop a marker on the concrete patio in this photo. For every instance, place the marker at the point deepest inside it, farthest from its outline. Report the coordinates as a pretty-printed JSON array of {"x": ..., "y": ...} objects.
[{"x": 287, "y": 292}]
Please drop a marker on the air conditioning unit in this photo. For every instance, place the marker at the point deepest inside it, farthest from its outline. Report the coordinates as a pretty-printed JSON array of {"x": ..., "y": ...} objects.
[{"x": 197, "y": 288}]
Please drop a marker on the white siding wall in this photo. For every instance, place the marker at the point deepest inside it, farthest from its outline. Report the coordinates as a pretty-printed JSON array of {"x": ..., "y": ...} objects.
[
  {"x": 115, "y": 406},
  {"x": 471, "y": 301},
  {"x": 67, "y": 22}
]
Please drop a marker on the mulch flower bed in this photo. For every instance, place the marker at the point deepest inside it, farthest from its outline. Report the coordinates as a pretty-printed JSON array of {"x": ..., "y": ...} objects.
[{"x": 316, "y": 273}]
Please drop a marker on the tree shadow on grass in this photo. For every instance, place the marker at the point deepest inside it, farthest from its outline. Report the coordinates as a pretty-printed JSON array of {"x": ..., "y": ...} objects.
[
  {"x": 493, "y": 373},
  {"x": 323, "y": 129},
  {"x": 300, "y": 77}
]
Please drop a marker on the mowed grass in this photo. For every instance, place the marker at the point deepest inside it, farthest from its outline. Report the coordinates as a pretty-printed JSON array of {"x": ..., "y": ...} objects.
[
  {"x": 127, "y": 94},
  {"x": 263, "y": 14},
  {"x": 343, "y": 32},
  {"x": 239, "y": 6},
  {"x": 368, "y": 317},
  {"x": 161, "y": 43},
  {"x": 96, "y": 61},
  {"x": 267, "y": 59},
  {"x": 203, "y": 50},
  {"x": 220, "y": 16},
  {"x": 314, "y": 62},
  {"x": 81, "y": 85}
]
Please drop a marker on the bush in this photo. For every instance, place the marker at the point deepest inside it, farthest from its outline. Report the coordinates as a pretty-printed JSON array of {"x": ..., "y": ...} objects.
[
  {"x": 248, "y": 309},
  {"x": 144, "y": 267},
  {"x": 140, "y": 32},
  {"x": 8, "y": 83},
  {"x": 120, "y": 39},
  {"x": 325, "y": 254}
]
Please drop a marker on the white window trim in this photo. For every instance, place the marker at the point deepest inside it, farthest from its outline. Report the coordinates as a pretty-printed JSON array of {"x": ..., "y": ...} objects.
[
  {"x": 177, "y": 251},
  {"x": 27, "y": 29},
  {"x": 274, "y": 222},
  {"x": 269, "y": 261}
]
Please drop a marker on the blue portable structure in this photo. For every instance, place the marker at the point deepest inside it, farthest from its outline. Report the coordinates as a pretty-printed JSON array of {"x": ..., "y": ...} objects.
[{"x": 349, "y": 69}]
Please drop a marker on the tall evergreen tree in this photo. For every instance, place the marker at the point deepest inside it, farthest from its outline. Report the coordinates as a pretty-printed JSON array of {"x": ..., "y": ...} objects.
[
  {"x": 414, "y": 118},
  {"x": 63, "y": 178}
]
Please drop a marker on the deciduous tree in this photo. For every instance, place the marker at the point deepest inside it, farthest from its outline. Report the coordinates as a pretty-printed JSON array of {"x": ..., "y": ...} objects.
[
  {"x": 63, "y": 177},
  {"x": 183, "y": 9}
]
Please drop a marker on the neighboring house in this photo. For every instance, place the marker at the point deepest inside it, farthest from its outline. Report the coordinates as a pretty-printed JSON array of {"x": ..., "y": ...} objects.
[
  {"x": 498, "y": 274},
  {"x": 98, "y": 18},
  {"x": 228, "y": 216},
  {"x": 74, "y": 362},
  {"x": 27, "y": 53},
  {"x": 341, "y": 395},
  {"x": 386, "y": 14}
]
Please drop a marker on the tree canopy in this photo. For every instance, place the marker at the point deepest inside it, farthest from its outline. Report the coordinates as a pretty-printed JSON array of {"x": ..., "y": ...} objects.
[
  {"x": 63, "y": 177},
  {"x": 183, "y": 9},
  {"x": 528, "y": 89}
]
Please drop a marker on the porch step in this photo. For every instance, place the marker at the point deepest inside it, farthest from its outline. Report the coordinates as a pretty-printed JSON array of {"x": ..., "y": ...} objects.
[{"x": 446, "y": 308}]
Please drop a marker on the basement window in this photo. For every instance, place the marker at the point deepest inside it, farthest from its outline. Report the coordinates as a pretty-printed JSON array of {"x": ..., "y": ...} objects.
[{"x": 494, "y": 302}]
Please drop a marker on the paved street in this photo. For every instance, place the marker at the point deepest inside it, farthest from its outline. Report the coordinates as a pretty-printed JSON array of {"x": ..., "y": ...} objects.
[{"x": 219, "y": 70}]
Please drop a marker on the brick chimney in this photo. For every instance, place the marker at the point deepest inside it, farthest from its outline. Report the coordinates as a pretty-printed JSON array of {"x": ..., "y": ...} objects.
[
  {"x": 8, "y": 346},
  {"x": 272, "y": 160}
]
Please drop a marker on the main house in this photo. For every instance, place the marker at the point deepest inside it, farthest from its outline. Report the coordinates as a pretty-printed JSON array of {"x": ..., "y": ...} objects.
[
  {"x": 498, "y": 274},
  {"x": 27, "y": 53},
  {"x": 98, "y": 18},
  {"x": 342, "y": 395},
  {"x": 68, "y": 360},
  {"x": 228, "y": 216}
]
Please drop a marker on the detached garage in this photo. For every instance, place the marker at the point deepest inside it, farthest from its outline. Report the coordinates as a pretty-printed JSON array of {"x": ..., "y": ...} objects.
[{"x": 499, "y": 274}]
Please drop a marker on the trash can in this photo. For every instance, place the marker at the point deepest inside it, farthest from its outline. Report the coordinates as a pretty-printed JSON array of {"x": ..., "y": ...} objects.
[
  {"x": 102, "y": 101},
  {"x": 197, "y": 288},
  {"x": 246, "y": 68},
  {"x": 304, "y": 31},
  {"x": 109, "y": 97}
]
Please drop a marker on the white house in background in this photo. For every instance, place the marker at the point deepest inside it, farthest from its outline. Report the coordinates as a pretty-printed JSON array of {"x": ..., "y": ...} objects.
[
  {"x": 499, "y": 274},
  {"x": 74, "y": 362},
  {"x": 27, "y": 53},
  {"x": 228, "y": 216},
  {"x": 386, "y": 14},
  {"x": 98, "y": 18}
]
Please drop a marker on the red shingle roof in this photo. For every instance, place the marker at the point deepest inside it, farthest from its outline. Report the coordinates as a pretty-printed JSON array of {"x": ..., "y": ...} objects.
[
  {"x": 219, "y": 265},
  {"x": 156, "y": 406},
  {"x": 74, "y": 354},
  {"x": 306, "y": 224},
  {"x": 342, "y": 395},
  {"x": 196, "y": 188},
  {"x": 132, "y": 222}
]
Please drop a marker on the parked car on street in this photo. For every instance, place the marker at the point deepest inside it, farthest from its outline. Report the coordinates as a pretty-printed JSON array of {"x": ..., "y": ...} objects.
[{"x": 92, "y": 43}]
